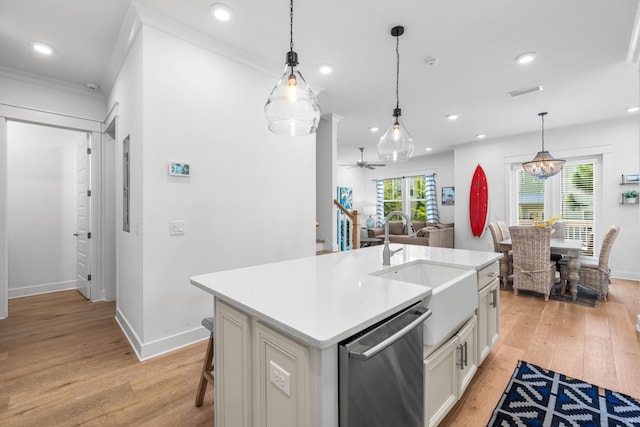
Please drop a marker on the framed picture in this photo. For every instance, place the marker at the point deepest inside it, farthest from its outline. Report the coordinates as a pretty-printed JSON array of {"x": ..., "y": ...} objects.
[
  {"x": 179, "y": 169},
  {"x": 633, "y": 178},
  {"x": 448, "y": 196}
]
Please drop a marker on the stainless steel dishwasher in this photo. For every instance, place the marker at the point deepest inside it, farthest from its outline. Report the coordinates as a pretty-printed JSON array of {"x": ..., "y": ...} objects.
[{"x": 381, "y": 372}]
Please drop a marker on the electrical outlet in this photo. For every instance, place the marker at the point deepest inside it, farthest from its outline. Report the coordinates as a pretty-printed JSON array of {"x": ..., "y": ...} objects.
[
  {"x": 280, "y": 378},
  {"x": 176, "y": 228}
]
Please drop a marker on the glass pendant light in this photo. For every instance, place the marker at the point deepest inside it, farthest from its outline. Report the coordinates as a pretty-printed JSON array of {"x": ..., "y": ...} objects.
[
  {"x": 292, "y": 108},
  {"x": 396, "y": 145},
  {"x": 543, "y": 164}
]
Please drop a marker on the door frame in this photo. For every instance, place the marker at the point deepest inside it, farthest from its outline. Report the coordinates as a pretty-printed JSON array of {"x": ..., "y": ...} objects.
[{"x": 45, "y": 118}]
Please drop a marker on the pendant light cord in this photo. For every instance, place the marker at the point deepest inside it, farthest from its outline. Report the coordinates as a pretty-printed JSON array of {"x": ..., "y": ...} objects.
[
  {"x": 291, "y": 25},
  {"x": 397, "y": 71},
  {"x": 542, "y": 117}
]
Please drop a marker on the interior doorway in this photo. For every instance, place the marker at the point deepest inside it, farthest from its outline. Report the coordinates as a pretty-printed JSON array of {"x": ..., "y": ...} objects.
[
  {"x": 42, "y": 195},
  {"x": 45, "y": 178}
]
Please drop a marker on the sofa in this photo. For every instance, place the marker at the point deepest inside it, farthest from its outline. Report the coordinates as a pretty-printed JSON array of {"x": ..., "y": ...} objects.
[{"x": 428, "y": 234}]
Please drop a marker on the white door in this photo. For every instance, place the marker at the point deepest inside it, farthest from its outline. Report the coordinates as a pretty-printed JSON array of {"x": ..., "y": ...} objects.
[{"x": 83, "y": 232}]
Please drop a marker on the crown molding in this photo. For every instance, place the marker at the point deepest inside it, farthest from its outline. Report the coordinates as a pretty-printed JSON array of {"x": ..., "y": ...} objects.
[
  {"x": 139, "y": 15},
  {"x": 39, "y": 80}
]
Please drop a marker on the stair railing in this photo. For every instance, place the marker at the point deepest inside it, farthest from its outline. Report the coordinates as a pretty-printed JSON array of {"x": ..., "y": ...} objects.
[{"x": 351, "y": 227}]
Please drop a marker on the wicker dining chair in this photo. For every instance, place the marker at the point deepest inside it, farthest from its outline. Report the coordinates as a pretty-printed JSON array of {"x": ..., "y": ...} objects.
[
  {"x": 496, "y": 234},
  {"x": 504, "y": 229},
  {"x": 594, "y": 272},
  {"x": 533, "y": 269}
]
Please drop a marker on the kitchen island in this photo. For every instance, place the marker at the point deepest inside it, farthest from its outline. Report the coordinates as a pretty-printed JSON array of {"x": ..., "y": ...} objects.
[{"x": 278, "y": 325}]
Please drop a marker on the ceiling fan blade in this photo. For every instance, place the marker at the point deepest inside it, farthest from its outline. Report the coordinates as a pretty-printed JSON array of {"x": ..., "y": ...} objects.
[
  {"x": 369, "y": 166},
  {"x": 377, "y": 164}
]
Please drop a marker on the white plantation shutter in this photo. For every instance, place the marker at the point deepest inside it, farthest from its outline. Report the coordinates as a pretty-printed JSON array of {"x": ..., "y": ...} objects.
[{"x": 578, "y": 203}]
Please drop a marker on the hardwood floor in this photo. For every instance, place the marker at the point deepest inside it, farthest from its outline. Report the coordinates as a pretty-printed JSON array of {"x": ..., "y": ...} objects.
[
  {"x": 598, "y": 345},
  {"x": 64, "y": 361}
]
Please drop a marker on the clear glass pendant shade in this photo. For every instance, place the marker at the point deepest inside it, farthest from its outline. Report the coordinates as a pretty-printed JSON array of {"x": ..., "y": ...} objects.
[
  {"x": 396, "y": 145},
  {"x": 292, "y": 108}
]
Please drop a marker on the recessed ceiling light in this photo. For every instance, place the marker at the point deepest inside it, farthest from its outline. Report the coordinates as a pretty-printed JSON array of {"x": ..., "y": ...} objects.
[
  {"x": 481, "y": 136},
  {"x": 325, "y": 69},
  {"x": 374, "y": 128},
  {"x": 428, "y": 149},
  {"x": 525, "y": 58},
  {"x": 633, "y": 109},
  {"x": 452, "y": 116},
  {"x": 42, "y": 48},
  {"x": 431, "y": 61},
  {"x": 221, "y": 11}
]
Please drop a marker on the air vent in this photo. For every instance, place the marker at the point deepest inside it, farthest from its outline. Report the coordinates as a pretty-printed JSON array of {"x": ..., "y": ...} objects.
[{"x": 525, "y": 91}]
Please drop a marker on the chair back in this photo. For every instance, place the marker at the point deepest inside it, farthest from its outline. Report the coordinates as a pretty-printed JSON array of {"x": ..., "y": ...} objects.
[
  {"x": 607, "y": 243},
  {"x": 531, "y": 247},
  {"x": 504, "y": 229},
  {"x": 558, "y": 230},
  {"x": 496, "y": 234}
]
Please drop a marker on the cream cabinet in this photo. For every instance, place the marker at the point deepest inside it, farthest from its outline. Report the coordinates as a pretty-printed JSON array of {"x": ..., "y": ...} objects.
[
  {"x": 448, "y": 371},
  {"x": 262, "y": 376},
  {"x": 232, "y": 367},
  {"x": 488, "y": 310}
]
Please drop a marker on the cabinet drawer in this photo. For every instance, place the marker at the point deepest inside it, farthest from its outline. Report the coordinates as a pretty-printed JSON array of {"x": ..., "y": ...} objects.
[{"x": 487, "y": 274}]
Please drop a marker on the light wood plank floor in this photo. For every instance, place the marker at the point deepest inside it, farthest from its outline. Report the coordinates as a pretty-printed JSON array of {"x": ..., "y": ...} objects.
[
  {"x": 598, "y": 345},
  {"x": 64, "y": 361}
]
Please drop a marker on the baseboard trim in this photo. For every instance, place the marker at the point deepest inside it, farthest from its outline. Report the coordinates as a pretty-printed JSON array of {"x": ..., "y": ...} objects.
[
  {"x": 135, "y": 342},
  {"x": 44, "y": 288},
  {"x": 152, "y": 349}
]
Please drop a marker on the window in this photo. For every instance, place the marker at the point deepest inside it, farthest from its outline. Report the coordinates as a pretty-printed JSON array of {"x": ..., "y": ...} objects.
[
  {"x": 417, "y": 198},
  {"x": 571, "y": 195},
  {"x": 392, "y": 200},
  {"x": 408, "y": 195}
]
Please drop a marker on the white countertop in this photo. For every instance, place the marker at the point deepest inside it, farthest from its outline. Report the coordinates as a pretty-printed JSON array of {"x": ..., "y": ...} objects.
[{"x": 322, "y": 300}]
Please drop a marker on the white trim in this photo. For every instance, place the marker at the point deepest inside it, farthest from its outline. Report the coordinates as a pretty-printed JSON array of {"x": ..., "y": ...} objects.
[
  {"x": 48, "y": 118},
  {"x": 4, "y": 241},
  {"x": 161, "y": 346},
  {"x": 43, "y": 288},
  {"x": 135, "y": 342},
  {"x": 39, "y": 80},
  {"x": 573, "y": 153}
]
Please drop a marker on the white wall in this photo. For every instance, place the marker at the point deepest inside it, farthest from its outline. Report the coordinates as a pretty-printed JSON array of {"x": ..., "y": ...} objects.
[
  {"x": 250, "y": 198},
  {"x": 127, "y": 92},
  {"x": 41, "y": 214},
  {"x": 617, "y": 139}
]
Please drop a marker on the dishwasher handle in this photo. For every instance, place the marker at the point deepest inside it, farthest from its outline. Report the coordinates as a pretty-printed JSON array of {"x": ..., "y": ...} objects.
[{"x": 372, "y": 351}]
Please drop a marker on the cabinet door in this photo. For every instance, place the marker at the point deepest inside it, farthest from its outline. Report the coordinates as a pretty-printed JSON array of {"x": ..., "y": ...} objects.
[
  {"x": 232, "y": 367},
  {"x": 488, "y": 319},
  {"x": 285, "y": 387},
  {"x": 466, "y": 355},
  {"x": 493, "y": 319},
  {"x": 440, "y": 382}
]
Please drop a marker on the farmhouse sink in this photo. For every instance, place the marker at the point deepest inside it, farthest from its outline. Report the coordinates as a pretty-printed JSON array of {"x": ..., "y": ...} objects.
[{"x": 454, "y": 297}]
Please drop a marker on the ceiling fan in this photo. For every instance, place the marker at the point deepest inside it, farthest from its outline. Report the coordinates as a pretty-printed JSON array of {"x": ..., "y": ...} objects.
[{"x": 362, "y": 164}]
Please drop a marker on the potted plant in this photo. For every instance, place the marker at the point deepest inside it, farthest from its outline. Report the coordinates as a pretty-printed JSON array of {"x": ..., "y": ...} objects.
[{"x": 630, "y": 196}]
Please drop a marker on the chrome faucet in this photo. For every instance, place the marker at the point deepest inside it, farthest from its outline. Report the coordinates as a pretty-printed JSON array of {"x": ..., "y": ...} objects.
[{"x": 386, "y": 252}]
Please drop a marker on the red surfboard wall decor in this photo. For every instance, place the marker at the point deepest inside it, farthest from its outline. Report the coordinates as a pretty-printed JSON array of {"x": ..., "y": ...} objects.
[{"x": 478, "y": 202}]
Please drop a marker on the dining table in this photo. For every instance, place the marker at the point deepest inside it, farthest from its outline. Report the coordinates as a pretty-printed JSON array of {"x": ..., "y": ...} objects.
[{"x": 569, "y": 247}]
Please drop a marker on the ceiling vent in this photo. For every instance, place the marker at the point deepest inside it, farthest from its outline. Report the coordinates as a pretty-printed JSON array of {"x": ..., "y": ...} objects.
[{"x": 525, "y": 91}]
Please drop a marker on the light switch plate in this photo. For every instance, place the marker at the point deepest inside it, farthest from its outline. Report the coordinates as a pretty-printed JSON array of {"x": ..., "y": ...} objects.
[
  {"x": 280, "y": 378},
  {"x": 176, "y": 228}
]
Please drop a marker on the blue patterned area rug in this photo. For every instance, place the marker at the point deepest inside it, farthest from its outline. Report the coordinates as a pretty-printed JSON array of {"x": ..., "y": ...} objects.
[{"x": 538, "y": 397}]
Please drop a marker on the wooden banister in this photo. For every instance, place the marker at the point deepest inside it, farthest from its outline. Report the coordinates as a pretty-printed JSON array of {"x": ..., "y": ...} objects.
[{"x": 353, "y": 216}]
